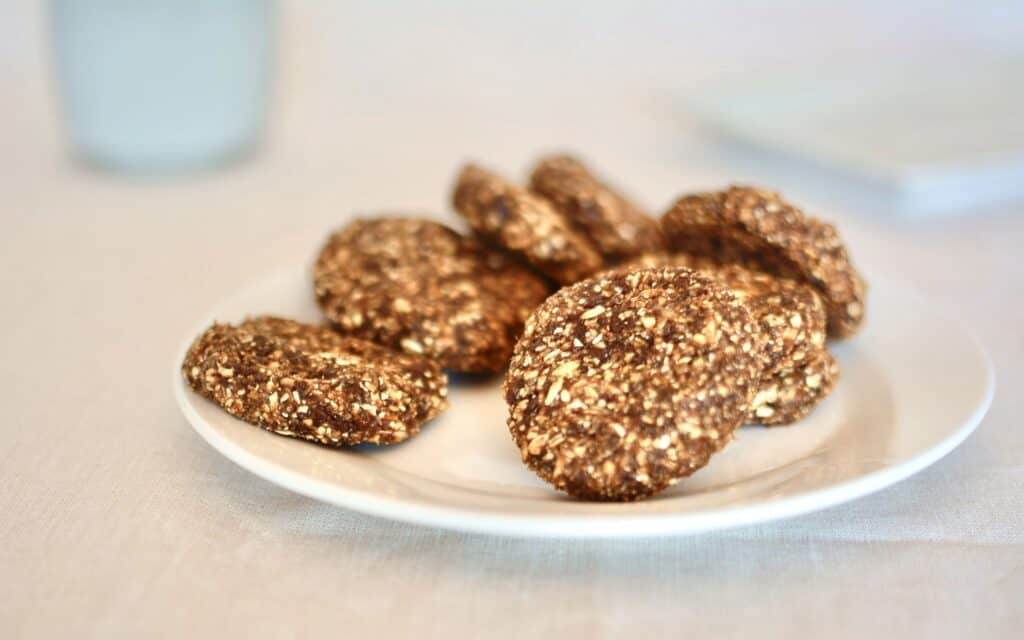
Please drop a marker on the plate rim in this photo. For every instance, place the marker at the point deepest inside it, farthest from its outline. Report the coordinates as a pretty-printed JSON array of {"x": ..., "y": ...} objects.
[{"x": 580, "y": 526}]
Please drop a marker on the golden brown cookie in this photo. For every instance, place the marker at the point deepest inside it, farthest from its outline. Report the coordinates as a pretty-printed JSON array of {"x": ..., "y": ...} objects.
[
  {"x": 616, "y": 227},
  {"x": 759, "y": 229},
  {"x": 788, "y": 395},
  {"x": 790, "y": 314},
  {"x": 623, "y": 384},
  {"x": 310, "y": 382},
  {"x": 421, "y": 287},
  {"x": 524, "y": 224}
]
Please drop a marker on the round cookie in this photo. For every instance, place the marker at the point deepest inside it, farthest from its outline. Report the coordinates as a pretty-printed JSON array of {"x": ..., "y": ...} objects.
[
  {"x": 525, "y": 224},
  {"x": 759, "y": 229},
  {"x": 790, "y": 314},
  {"x": 615, "y": 226},
  {"x": 623, "y": 384},
  {"x": 309, "y": 382},
  {"x": 788, "y": 395},
  {"x": 419, "y": 286}
]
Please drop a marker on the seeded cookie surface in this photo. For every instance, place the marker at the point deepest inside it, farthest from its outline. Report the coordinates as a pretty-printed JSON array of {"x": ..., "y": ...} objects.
[
  {"x": 421, "y": 287},
  {"x": 309, "y": 382},
  {"x": 788, "y": 395},
  {"x": 791, "y": 314},
  {"x": 759, "y": 229},
  {"x": 623, "y": 384},
  {"x": 614, "y": 225},
  {"x": 525, "y": 224}
]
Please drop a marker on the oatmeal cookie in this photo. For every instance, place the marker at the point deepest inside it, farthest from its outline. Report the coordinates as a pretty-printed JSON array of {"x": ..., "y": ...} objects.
[
  {"x": 788, "y": 395},
  {"x": 309, "y": 382},
  {"x": 621, "y": 385},
  {"x": 759, "y": 229},
  {"x": 524, "y": 224},
  {"x": 421, "y": 287},
  {"x": 616, "y": 227}
]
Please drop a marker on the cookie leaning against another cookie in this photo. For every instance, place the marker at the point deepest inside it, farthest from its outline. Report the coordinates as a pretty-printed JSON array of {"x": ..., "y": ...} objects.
[
  {"x": 309, "y": 382},
  {"x": 525, "y": 224},
  {"x": 623, "y": 384},
  {"x": 421, "y": 287},
  {"x": 788, "y": 395},
  {"x": 790, "y": 314},
  {"x": 759, "y": 229},
  {"x": 614, "y": 225}
]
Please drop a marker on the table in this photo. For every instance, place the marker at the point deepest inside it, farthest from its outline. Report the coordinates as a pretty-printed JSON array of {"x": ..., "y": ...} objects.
[{"x": 118, "y": 521}]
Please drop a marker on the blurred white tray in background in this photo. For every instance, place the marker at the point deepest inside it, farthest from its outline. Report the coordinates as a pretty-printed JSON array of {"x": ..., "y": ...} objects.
[{"x": 934, "y": 134}]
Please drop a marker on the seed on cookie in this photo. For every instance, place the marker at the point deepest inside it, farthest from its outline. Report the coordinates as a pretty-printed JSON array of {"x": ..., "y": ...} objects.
[
  {"x": 788, "y": 395},
  {"x": 614, "y": 225},
  {"x": 524, "y": 224},
  {"x": 309, "y": 382},
  {"x": 623, "y": 384},
  {"x": 421, "y": 287},
  {"x": 790, "y": 314},
  {"x": 759, "y": 229}
]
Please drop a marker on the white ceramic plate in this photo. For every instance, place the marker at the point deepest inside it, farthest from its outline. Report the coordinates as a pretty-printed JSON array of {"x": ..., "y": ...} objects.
[{"x": 914, "y": 385}]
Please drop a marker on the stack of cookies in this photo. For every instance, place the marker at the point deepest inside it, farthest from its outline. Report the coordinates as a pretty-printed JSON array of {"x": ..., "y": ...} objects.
[{"x": 634, "y": 347}]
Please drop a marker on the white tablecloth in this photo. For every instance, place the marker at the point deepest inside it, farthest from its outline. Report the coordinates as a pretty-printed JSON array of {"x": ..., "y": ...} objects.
[{"x": 118, "y": 521}]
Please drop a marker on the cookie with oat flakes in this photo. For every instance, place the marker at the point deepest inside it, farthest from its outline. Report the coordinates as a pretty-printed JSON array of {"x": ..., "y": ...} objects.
[
  {"x": 309, "y": 382},
  {"x": 623, "y": 384},
  {"x": 616, "y": 227},
  {"x": 759, "y": 229},
  {"x": 525, "y": 224},
  {"x": 787, "y": 395},
  {"x": 421, "y": 287}
]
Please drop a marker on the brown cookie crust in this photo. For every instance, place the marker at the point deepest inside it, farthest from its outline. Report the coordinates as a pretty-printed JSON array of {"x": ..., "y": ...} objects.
[
  {"x": 614, "y": 225},
  {"x": 759, "y": 229},
  {"x": 525, "y": 224},
  {"x": 786, "y": 396},
  {"x": 623, "y": 384},
  {"x": 419, "y": 286},
  {"x": 309, "y": 382},
  {"x": 791, "y": 314}
]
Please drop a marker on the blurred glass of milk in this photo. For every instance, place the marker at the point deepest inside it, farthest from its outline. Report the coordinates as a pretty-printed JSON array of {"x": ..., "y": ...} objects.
[{"x": 164, "y": 85}]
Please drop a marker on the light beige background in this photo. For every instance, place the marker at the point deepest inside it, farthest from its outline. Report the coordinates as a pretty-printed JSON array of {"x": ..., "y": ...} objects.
[{"x": 116, "y": 520}]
